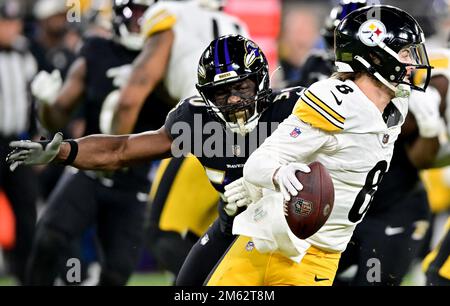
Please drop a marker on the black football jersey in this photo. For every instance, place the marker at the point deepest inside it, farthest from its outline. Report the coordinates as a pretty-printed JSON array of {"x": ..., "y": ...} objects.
[{"x": 191, "y": 121}]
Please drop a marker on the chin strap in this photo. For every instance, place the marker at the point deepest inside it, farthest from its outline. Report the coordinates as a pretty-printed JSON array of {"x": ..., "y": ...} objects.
[{"x": 400, "y": 91}]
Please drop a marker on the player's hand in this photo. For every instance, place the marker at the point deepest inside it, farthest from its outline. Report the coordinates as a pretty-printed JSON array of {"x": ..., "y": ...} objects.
[
  {"x": 45, "y": 86},
  {"x": 286, "y": 180},
  {"x": 120, "y": 75},
  {"x": 425, "y": 108},
  {"x": 239, "y": 194},
  {"x": 28, "y": 152}
]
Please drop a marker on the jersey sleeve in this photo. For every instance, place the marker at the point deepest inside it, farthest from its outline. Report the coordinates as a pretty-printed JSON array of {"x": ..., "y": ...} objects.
[
  {"x": 159, "y": 17},
  {"x": 320, "y": 107},
  {"x": 181, "y": 117}
]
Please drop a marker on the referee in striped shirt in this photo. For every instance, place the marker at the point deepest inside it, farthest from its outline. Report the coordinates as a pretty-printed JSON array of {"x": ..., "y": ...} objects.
[{"x": 17, "y": 67}]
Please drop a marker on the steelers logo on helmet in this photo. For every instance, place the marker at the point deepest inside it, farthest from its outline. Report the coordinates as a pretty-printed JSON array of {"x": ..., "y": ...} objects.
[{"x": 372, "y": 32}]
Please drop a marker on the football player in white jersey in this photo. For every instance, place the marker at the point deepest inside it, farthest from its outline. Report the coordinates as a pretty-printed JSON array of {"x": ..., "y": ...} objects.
[{"x": 349, "y": 123}]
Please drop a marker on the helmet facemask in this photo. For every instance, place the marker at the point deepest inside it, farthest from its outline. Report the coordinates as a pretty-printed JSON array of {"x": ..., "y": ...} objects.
[
  {"x": 234, "y": 82},
  {"x": 242, "y": 116},
  {"x": 395, "y": 73}
]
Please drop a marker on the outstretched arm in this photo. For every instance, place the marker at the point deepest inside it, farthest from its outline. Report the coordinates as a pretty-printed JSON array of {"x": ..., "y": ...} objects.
[{"x": 95, "y": 152}]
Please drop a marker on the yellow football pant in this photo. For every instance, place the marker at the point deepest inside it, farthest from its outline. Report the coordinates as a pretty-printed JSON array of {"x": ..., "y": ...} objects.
[{"x": 243, "y": 265}]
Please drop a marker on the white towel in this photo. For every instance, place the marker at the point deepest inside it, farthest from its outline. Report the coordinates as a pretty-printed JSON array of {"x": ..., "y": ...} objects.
[{"x": 266, "y": 224}]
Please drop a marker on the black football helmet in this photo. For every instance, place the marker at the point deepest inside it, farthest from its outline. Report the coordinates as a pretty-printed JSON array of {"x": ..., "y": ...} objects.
[
  {"x": 227, "y": 60},
  {"x": 12, "y": 9},
  {"x": 338, "y": 13},
  {"x": 384, "y": 41},
  {"x": 127, "y": 19}
]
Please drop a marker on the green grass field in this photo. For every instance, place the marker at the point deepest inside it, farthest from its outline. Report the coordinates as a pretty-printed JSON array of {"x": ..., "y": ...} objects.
[
  {"x": 166, "y": 279},
  {"x": 140, "y": 279}
]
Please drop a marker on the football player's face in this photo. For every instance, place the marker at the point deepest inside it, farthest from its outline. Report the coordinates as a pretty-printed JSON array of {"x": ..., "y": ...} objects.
[
  {"x": 235, "y": 93},
  {"x": 236, "y": 100}
]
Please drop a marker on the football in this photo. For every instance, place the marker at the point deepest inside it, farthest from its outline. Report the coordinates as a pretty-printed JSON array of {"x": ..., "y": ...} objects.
[{"x": 307, "y": 212}]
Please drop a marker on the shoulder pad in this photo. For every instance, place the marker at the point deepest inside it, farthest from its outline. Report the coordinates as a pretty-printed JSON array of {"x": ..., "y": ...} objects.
[
  {"x": 158, "y": 17},
  {"x": 320, "y": 106},
  {"x": 196, "y": 101},
  {"x": 286, "y": 94}
]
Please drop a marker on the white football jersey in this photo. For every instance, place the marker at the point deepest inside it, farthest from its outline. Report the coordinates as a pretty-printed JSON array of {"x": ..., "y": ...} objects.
[
  {"x": 195, "y": 27},
  {"x": 334, "y": 123}
]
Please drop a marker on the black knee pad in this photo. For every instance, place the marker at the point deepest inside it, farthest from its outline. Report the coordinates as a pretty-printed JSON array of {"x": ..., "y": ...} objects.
[
  {"x": 44, "y": 261},
  {"x": 50, "y": 242}
]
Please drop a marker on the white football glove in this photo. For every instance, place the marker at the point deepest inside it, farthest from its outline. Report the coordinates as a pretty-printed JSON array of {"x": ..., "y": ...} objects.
[
  {"x": 240, "y": 193},
  {"x": 28, "y": 152},
  {"x": 45, "y": 86},
  {"x": 425, "y": 108},
  {"x": 107, "y": 113},
  {"x": 120, "y": 75},
  {"x": 287, "y": 181}
]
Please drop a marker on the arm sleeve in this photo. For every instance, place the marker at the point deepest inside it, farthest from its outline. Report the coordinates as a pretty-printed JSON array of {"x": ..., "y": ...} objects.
[
  {"x": 182, "y": 114},
  {"x": 293, "y": 141}
]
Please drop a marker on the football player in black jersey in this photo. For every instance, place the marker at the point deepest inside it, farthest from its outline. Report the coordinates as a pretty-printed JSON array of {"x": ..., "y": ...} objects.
[
  {"x": 437, "y": 263},
  {"x": 115, "y": 202},
  {"x": 235, "y": 112}
]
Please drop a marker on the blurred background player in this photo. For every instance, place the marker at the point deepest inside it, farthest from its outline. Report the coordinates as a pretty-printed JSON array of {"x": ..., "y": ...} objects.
[
  {"x": 176, "y": 33},
  {"x": 17, "y": 68},
  {"x": 319, "y": 64},
  {"x": 437, "y": 264},
  {"x": 300, "y": 34},
  {"x": 114, "y": 202},
  {"x": 54, "y": 41}
]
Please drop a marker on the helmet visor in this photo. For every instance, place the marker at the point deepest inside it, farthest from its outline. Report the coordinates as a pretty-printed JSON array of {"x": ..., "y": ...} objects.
[{"x": 416, "y": 62}]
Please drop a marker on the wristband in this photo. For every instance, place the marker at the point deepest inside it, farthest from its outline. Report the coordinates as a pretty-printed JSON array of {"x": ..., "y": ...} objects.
[{"x": 73, "y": 152}]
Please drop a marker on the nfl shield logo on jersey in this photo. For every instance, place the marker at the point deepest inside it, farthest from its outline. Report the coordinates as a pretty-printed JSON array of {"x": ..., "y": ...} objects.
[
  {"x": 250, "y": 246},
  {"x": 295, "y": 132}
]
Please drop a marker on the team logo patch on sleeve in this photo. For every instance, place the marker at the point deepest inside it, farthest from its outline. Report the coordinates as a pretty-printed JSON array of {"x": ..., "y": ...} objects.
[{"x": 295, "y": 132}]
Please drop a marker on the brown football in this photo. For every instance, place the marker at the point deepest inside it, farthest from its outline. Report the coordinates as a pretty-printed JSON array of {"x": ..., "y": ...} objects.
[{"x": 310, "y": 209}]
